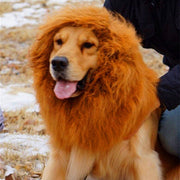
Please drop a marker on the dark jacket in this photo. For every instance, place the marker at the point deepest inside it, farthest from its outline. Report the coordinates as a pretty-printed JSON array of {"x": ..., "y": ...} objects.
[{"x": 158, "y": 23}]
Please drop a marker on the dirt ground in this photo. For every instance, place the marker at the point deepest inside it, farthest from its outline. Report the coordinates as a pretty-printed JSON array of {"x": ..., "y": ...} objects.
[{"x": 14, "y": 70}]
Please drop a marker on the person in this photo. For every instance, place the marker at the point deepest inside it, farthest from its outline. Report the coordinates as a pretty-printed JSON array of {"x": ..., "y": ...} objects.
[
  {"x": 1, "y": 120},
  {"x": 158, "y": 24}
]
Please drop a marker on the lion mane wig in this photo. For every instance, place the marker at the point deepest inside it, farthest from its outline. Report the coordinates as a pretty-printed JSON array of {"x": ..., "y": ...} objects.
[{"x": 121, "y": 92}]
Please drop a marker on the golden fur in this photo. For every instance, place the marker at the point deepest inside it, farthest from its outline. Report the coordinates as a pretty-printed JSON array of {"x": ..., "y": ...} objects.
[
  {"x": 108, "y": 131},
  {"x": 81, "y": 59}
]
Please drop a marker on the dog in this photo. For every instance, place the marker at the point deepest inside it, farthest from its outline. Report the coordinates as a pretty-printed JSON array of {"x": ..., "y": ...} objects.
[{"x": 97, "y": 97}]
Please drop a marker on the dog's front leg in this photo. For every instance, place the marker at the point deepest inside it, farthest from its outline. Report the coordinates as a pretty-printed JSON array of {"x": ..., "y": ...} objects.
[
  {"x": 146, "y": 162},
  {"x": 147, "y": 167},
  {"x": 80, "y": 164},
  {"x": 56, "y": 167}
]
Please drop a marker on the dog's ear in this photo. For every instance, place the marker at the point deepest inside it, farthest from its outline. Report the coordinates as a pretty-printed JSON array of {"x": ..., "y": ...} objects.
[{"x": 39, "y": 52}]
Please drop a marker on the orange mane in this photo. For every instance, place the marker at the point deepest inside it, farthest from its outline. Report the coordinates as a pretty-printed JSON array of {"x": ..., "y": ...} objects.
[{"x": 120, "y": 96}]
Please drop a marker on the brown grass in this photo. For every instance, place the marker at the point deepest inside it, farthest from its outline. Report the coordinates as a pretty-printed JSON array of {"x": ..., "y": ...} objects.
[
  {"x": 5, "y": 7},
  {"x": 14, "y": 46},
  {"x": 24, "y": 122},
  {"x": 18, "y": 34},
  {"x": 25, "y": 168}
]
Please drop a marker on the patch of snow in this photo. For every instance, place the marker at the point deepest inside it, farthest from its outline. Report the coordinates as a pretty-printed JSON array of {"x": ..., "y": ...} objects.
[
  {"x": 38, "y": 12},
  {"x": 16, "y": 85},
  {"x": 20, "y": 18},
  {"x": 5, "y": 71},
  {"x": 9, "y": 170},
  {"x": 37, "y": 6},
  {"x": 14, "y": 19},
  {"x": 24, "y": 145},
  {"x": 33, "y": 108},
  {"x": 84, "y": 0},
  {"x": 13, "y": 61},
  {"x": 20, "y": 5},
  {"x": 16, "y": 101},
  {"x": 60, "y": 2},
  {"x": 29, "y": 13},
  {"x": 56, "y": 2},
  {"x": 10, "y": 1}
]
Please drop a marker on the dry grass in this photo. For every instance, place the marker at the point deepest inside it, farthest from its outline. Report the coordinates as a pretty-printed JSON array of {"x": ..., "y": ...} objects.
[
  {"x": 28, "y": 168},
  {"x": 5, "y": 7},
  {"x": 14, "y": 47},
  {"x": 24, "y": 122},
  {"x": 18, "y": 34},
  {"x": 14, "y": 69}
]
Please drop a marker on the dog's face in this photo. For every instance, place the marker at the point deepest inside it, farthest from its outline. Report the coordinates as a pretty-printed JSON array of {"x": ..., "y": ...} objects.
[{"x": 73, "y": 55}]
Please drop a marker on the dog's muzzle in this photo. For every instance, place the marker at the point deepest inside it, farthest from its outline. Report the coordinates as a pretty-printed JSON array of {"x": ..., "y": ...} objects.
[{"x": 64, "y": 88}]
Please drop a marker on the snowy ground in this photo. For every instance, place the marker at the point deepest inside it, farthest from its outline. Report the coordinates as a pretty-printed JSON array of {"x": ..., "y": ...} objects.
[
  {"x": 27, "y": 13},
  {"x": 23, "y": 142},
  {"x": 12, "y": 101},
  {"x": 24, "y": 147}
]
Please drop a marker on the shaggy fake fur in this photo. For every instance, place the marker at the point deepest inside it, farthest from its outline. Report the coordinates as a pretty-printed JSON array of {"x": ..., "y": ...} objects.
[
  {"x": 113, "y": 107},
  {"x": 120, "y": 96}
]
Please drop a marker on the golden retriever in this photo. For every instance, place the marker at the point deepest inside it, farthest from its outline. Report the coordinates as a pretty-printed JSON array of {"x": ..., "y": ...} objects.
[{"x": 97, "y": 98}]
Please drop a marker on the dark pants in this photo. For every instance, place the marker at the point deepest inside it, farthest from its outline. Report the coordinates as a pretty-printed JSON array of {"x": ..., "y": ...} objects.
[{"x": 169, "y": 131}]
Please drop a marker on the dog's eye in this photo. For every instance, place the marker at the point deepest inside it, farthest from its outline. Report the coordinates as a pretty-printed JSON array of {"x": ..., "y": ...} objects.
[
  {"x": 59, "y": 42},
  {"x": 87, "y": 45}
]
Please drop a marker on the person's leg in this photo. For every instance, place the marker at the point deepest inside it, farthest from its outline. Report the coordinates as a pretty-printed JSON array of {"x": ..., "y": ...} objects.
[{"x": 169, "y": 131}]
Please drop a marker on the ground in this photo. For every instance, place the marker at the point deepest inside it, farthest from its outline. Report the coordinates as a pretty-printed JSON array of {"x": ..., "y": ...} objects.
[{"x": 23, "y": 142}]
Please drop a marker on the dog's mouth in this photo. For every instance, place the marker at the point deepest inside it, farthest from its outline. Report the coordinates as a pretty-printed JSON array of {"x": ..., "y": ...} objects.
[{"x": 65, "y": 89}]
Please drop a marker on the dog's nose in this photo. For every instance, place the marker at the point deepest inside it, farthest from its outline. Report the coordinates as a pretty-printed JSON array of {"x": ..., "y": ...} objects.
[{"x": 59, "y": 63}]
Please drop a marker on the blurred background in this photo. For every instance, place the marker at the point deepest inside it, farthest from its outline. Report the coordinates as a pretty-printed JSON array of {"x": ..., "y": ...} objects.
[{"x": 23, "y": 142}]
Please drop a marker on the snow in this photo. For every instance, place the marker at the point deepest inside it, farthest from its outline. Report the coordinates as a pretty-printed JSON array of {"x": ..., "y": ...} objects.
[
  {"x": 5, "y": 71},
  {"x": 10, "y": 61},
  {"x": 33, "y": 108},
  {"x": 9, "y": 170},
  {"x": 15, "y": 19},
  {"x": 20, "y": 18},
  {"x": 10, "y": 1},
  {"x": 24, "y": 16},
  {"x": 12, "y": 101},
  {"x": 24, "y": 13},
  {"x": 56, "y": 2},
  {"x": 24, "y": 145},
  {"x": 20, "y": 5}
]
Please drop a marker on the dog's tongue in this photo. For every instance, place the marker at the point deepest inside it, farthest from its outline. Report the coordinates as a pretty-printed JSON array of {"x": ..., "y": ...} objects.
[{"x": 64, "y": 89}]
